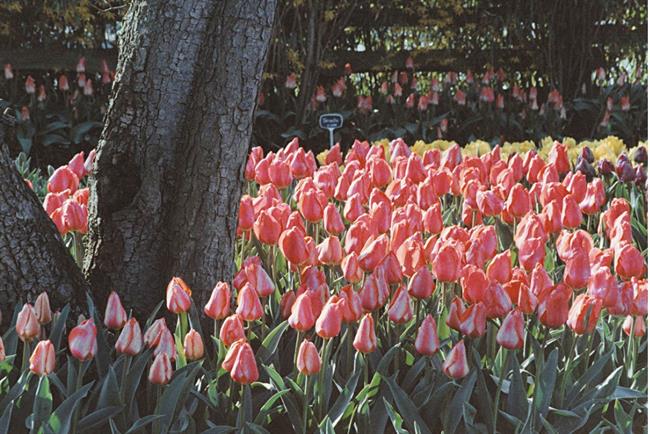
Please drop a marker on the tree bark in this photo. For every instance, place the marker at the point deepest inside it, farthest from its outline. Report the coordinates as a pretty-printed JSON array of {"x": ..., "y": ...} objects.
[
  {"x": 165, "y": 194},
  {"x": 33, "y": 257}
]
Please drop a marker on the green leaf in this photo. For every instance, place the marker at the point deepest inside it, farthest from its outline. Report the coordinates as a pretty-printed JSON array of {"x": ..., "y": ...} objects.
[
  {"x": 395, "y": 418},
  {"x": 293, "y": 411},
  {"x": 16, "y": 390},
  {"x": 221, "y": 429},
  {"x": 142, "y": 422},
  {"x": 135, "y": 376},
  {"x": 173, "y": 397},
  {"x": 58, "y": 328},
  {"x": 78, "y": 132},
  {"x": 345, "y": 397},
  {"x": 97, "y": 418},
  {"x": 61, "y": 420},
  {"x": 5, "y": 419},
  {"x": 109, "y": 395},
  {"x": 585, "y": 381},
  {"x": 627, "y": 393},
  {"x": 42, "y": 403},
  {"x": 327, "y": 427},
  {"x": 517, "y": 401},
  {"x": 270, "y": 343},
  {"x": 384, "y": 363},
  {"x": 405, "y": 406},
  {"x": 245, "y": 413},
  {"x": 454, "y": 411},
  {"x": 265, "y": 409},
  {"x": 545, "y": 383}
]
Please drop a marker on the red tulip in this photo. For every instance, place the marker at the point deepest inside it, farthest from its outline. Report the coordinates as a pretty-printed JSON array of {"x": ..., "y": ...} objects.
[
  {"x": 559, "y": 158},
  {"x": 311, "y": 205},
  {"x": 456, "y": 312},
  {"x": 27, "y": 325},
  {"x": 576, "y": 184},
  {"x": 43, "y": 359},
  {"x": 500, "y": 268},
  {"x": 231, "y": 330},
  {"x": 455, "y": 365},
  {"x": 365, "y": 340},
  {"x": 267, "y": 229},
  {"x": 400, "y": 309},
  {"x": 351, "y": 270},
  {"x": 280, "y": 173},
  {"x": 474, "y": 283},
  {"x": 351, "y": 307},
  {"x": 489, "y": 203},
  {"x": 161, "y": 369},
  {"x": 63, "y": 178},
  {"x": 634, "y": 324},
  {"x": 628, "y": 262},
  {"x": 55, "y": 200},
  {"x": 433, "y": 219},
  {"x": 259, "y": 278},
  {"x": 474, "y": 320},
  {"x": 584, "y": 313},
  {"x": 421, "y": 284},
  {"x": 293, "y": 246},
  {"x": 332, "y": 220},
  {"x": 511, "y": 332},
  {"x": 446, "y": 264},
  {"x": 178, "y": 296},
  {"x": 308, "y": 362},
  {"x": 594, "y": 198},
  {"x": 553, "y": 309},
  {"x": 246, "y": 216},
  {"x": 165, "y": 344},
  {"x": 302, "y": 315},
  {"x": 577, "y": 272},
  {"x": 571, "y": 214},
  {"x": 244, "y": 369},
  {"x": 640, "y": 302},
  {"x": 375, "y": 291},
  {"x": 496, "y": 301},
  {"x": 82, "y": 341},
  {"x": 130, "y": 340},
  {"x": 153, "y": 333},
  {"x": 42, "y": 309},
  {"x": 356, "y": 237},
  {"x": 218, "y": 306},
  {"x": 193, "y": 345},
  {"x": 518, "y": 202},
  {"x": 426, "y": 341},
  {"x": 373, "y": 253},
  {"x": 328, "y": 324},
  {"x": 75, "y": 216},
  {"x": 3, "y": 354},
  {"x": 330, "y": 251},
  {"x": 249, "y": 307},
  {"x": 552, "y": 217},
  {"x": 76, "y": 164},
  {"x": 286, "y": 303},
  {"x": 115, "y": 315}
]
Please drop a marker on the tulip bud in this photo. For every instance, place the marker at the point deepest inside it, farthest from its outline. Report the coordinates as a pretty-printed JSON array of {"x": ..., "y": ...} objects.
[
  {"x": 42, "y": 309},
  {"x": 400, "y": 310},
  {"x": 193, "y": 345},
  {"x": 218, "y": 307},
  {"x": 249, "y": 307},
  {"x": 584, "y": 314},
  {"x": 511, "y": 332},
  {"x": 365, "y": 340},
  {"x": 586, "y": 168},
  {"x": 308, "y": 362},
  {"x": 178, "y": 296},
  {"x": 166, "y": 344},
  {"x": 328, "y": 324},
  {"x": 293, "y": 246},
  {"x": 351, "y": 270},
  {"x": 455, "y": 365},
  {"x": 130, "y": 340},
  {"x": 351, "y": 304},
  {"x": 427, "y": 341},
  {"x": 27, "y": 326},
  {"x": 161, "y": 370},
  {"x": 231, "y": 330},
  {"x": 286, "y": 303},
  {"x": 3, "y": 355},
  {"x": 152, "y": 335},
  {"x": 231, "y": 355},
  {"x": 446, "y": 264},
  {"x": 115, "y": 315},
  {"x": 605, "y": 167},
  {"x": 43, "y": 359},
  {"x": 63, "y": 178},
  {"x": 267, "y": 229},
  {"x": 634, "y": 324},
  {"x": 244, "y": 369},
  {"x": 82, "y": 341},
  {"x": 302, "y": 316},
  {"x": 624, "y": 169},
  {"x": 587, "y": 155}
]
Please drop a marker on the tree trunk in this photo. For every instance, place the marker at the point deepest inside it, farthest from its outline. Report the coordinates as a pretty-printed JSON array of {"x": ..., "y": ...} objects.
[
  {"x": 166, "y": 189},
  {"x": 33, "y": 257}
]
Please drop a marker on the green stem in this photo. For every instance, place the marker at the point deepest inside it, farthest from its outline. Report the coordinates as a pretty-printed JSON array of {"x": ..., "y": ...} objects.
[
  {"x": 567, "y": 366},
  {"x": 305, "y": 410},
  {"x": 497, "y": 395}
]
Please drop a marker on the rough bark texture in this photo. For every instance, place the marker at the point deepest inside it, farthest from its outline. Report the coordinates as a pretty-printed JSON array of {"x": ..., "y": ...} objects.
[
  {"x": 33, "y": 257},
  {"x": 169, "y": 164}
]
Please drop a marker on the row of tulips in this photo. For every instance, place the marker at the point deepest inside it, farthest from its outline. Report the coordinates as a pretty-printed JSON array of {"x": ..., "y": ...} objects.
[{"x": 382, "y": 291}]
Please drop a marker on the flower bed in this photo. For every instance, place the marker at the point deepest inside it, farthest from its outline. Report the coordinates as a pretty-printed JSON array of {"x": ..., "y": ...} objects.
[{"x": 391, "y": 289}]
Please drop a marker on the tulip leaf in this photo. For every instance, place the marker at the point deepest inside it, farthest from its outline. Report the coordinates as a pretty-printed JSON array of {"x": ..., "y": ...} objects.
[
  {"x": 387, "y": 358},
  {"x": 293, "y": 411},
  {"x": 135, "y": 375},
  {"x": 42, "y": 403},
  {"x": 345, "y": 397},
  {"x": 395, "y": 418},
  {"x": 221, "y": 429},
  {"x": 517, "y": 401},
  {"x": 326, "y": 427},
  {"x": 454, "y": 411},
  {"x": 16, "y": 390},
  {"x": 406, "y": 406},
  {"x": 58, "y": 328},
  {"x": 245, "y": 413},
  {"x": 142, "y": 422},
  {"x": 585, "y": 381},
  {"x": 5, "y": 419},
  {"x": 255, "y": 428},
  {"x": 110, "y": 391},
  {"x": 413, "y": 373},
  {"x": 545, "y": 384},
  {"x": 97, "y": 418},
  {"x": 61, "y": 420},
  {"x": 264, "y": 410},
  {"x": 174, "y": 396},
  {"x": 271, "y": 341}
]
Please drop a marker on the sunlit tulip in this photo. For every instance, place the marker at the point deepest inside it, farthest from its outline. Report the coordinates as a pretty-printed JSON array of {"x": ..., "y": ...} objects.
[
  {"x": 351, "y": 307},
  {"x": 308, "y": 361},
  {"x": 74, "y": 216},
  {"x": 373, "y": 253},
  {"x": 286, "y": 303},
  {"x": 293, "y": 247},
  {"x": 249, "y": 307},
  {"x": 43, "y": 359},
  {"x": 455, "y": 365},
  {"x": 82, "y": 341},
  {"x": 302, "y": 317},
  {"x": 332, "y": 220},
  {"x": 130, "y": 340},
  {"x": 218, "y": 306},
  {"x": 231, "y": 355},
  {"x": 166, "y": 344},
  {"x": 280, "y": 173},
  {"x": 365, "y": 340},
  {"x": 328, "y": 324},
  {"x": 63, "y": 178},
  {"x": 152, "y": 335},
  {"x": 115, "y": 315},
  {"x": 400, "y": 309},
  {"x": 421, "y": 285},
  {"x": 177, "y": 296},
  {"x": 511, "y": 332},
  {"x": 474, "y": 320},
  {"x": 53, "y": 201},
  {"x": 446, "y": 264},
  {"x": 628, "y": 262},
  {"x": 161, "y": 370},
  {"x": 231, "y": 330},
  {"x": 3, "y": 354},
  {"x": 351, "y": 270},
  {"x": 584, "y": 314},
  {"x": 244, "y": 369},
  {"x": 312, "y": 205},
  {"x": 27, "y": 325},
  {"x": 636, "y": 324},
  {"x": 76, "y": 164},
  {"x": 193, "y": 345},
  {"x": 42, "y": 309},
  {"x": 553, "y": 309},
  {"x": 427, "y": 342},
  {"x": 267, "y": 229},
  {"x": 330, "y": 251},
  {"x": 500, "y": 267},
  {"x": 246, "y": 216},
  {"x": 474, "y": 283}
]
